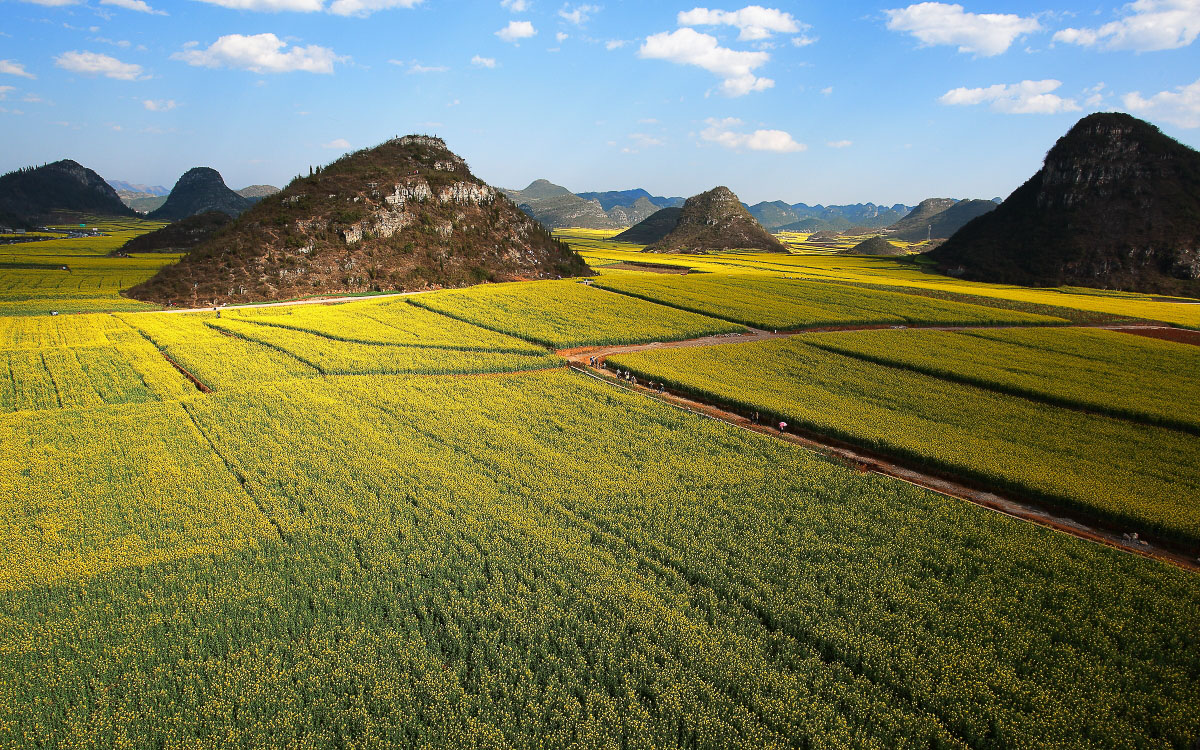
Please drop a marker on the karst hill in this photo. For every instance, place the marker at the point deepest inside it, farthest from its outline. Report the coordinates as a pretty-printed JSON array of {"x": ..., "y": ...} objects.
[
  {"x": 714, "y": 222},
  {"x": 34, "y": 195},
  {"x": 405, "y": 215},
  {"x": 1116, "y": 205},
  {"x": 199, "y": 190}
]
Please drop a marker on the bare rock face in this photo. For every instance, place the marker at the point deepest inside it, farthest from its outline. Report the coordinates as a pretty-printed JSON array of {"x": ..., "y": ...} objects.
[
  {"x": 714, "y": 222},
  {"x": 405, "y": 215},
  {"x": 1116, "y": 205}
]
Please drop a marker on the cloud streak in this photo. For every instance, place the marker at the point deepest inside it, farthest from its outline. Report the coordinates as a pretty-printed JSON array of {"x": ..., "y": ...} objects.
[
  {"x": 721, "y": 131},
  {"x": 689, "y": 47}
]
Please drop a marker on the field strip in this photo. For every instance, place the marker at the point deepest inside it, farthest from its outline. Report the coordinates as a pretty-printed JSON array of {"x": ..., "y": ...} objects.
[
  {"x": 289, "y": 303},
  {"x": 1058, "y": 519},
  {"x": 582, "y": 353}
]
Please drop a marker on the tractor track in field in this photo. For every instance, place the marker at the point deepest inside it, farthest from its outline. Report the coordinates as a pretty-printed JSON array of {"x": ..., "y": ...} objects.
[{"x": 1063, "y": 520}]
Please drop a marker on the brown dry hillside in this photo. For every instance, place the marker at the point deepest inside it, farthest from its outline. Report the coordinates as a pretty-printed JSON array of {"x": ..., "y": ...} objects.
[
  {"x": 714, "y": 222},
  {"x": 405, "y": 215}
]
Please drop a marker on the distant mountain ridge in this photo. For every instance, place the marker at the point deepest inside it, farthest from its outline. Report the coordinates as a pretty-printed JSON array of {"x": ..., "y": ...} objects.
[
  {"x": 778, "y": 216},
  {"x": 136, "y": 187},
  {"x": 556, "y": 207}
]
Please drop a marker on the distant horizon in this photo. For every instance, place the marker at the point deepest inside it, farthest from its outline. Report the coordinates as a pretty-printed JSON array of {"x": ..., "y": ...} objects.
[{"x": 888, "y": 103}]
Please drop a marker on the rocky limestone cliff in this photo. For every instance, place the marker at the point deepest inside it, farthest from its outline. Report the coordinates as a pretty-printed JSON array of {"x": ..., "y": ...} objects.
[
  {"x": 405, "y": 215},
  {"x": 713, "y": 222},
  {"x": 200, "y": 189},
  {"x": 1115, "y": 205}
]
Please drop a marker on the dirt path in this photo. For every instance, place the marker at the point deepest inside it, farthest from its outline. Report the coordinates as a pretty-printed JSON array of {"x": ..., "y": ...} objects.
[{"x": 1059, "y": 519}]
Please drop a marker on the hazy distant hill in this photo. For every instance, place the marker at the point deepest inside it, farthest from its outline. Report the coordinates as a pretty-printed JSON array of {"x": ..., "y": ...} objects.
[
  {"x": 405, "y": 215},
  {"x": 653, "y": 228},
  {"x": 824, "y": 218},
  {"x": 926, "y": 221},
  {"x": 716, "y": 221},
  {"x": 1116, "y": 205},
  {"x": 613, "y": 198},
  {"x": 200, "y": 189},
  {"x": 134, "y": 187},
  {"x": 143, "y": 203},
  {"x": 555, "y": 206},
  {"x": 257, "y": 192},
  {"x": 34, "y": 194}
]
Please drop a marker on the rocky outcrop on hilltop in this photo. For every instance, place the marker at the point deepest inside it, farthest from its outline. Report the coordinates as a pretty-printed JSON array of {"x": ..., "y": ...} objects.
[
  {"x": 257, "y": 192},
  {"x": 405, "y": 215},
  {"x": 714, "y": 222},
  {"x": 33, "y": 195},
  {"x": 1116, "y": 205},
  {"x": 200, "y": 189}
]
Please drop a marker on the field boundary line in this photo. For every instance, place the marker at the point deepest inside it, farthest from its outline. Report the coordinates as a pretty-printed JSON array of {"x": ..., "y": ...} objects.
[{"x": 1051, "y": 517}]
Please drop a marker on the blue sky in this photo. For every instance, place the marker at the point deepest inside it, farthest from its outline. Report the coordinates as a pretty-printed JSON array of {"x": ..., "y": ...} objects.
[{"x": 815, "y": 102}]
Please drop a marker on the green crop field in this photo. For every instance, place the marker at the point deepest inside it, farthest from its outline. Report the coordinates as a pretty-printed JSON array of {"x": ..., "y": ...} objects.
[
  {"x": 1128, "y": 472},
  {"x": 402, "y": 522},
  {"x": 75, "y": 275},
  {"x": 538, "y": 560},
  {"x": 787, "y": 304},
  {"x": 1157, "y": 382},
  {"x": 563, "y": 314}
]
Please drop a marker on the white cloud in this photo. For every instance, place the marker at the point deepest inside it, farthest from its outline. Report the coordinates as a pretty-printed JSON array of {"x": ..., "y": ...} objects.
[
  {"x": 94, "y": 63},
  {"x": 645, "y": 140},
  {"x": 516, "y": 30},
  {"x": 14, "y": 68},
  {"x": 613, "y": 44},
  {"x": 483, "y": 62},
  {"x": 1024, "y": 98},
  {"x": 159, "y": 105},
  {"x": 33, "y": 99},
  {"x": 986, "y": 34},
  {"x": 6, "y": 90},
  {"x": 1095, "y": 95},
  {"x": 840, "y": 144},
  {"x": 803, "y": 40},
  {"x": 690, "y": 47},
  {"x": 261, "y": 53},
  {"x": 416, "y": 67},
  {"x": 1150, "y": 25},
  {"x": 753, "y": 21},
  {"x": 338, "y": 143},
  {"x": 721, "y": 132},
  {"x": 580, "y": 15},
  {"x": 139, "y": 5},
  {"x": 271, "y": 6},
  {"x": 516, "y": 6},
  {"x": 561, "y": 37},
  {"x": 827, "y": 91},
  {"x": 1180, "y": 107},
  {"x": 363, "y": 8}
]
